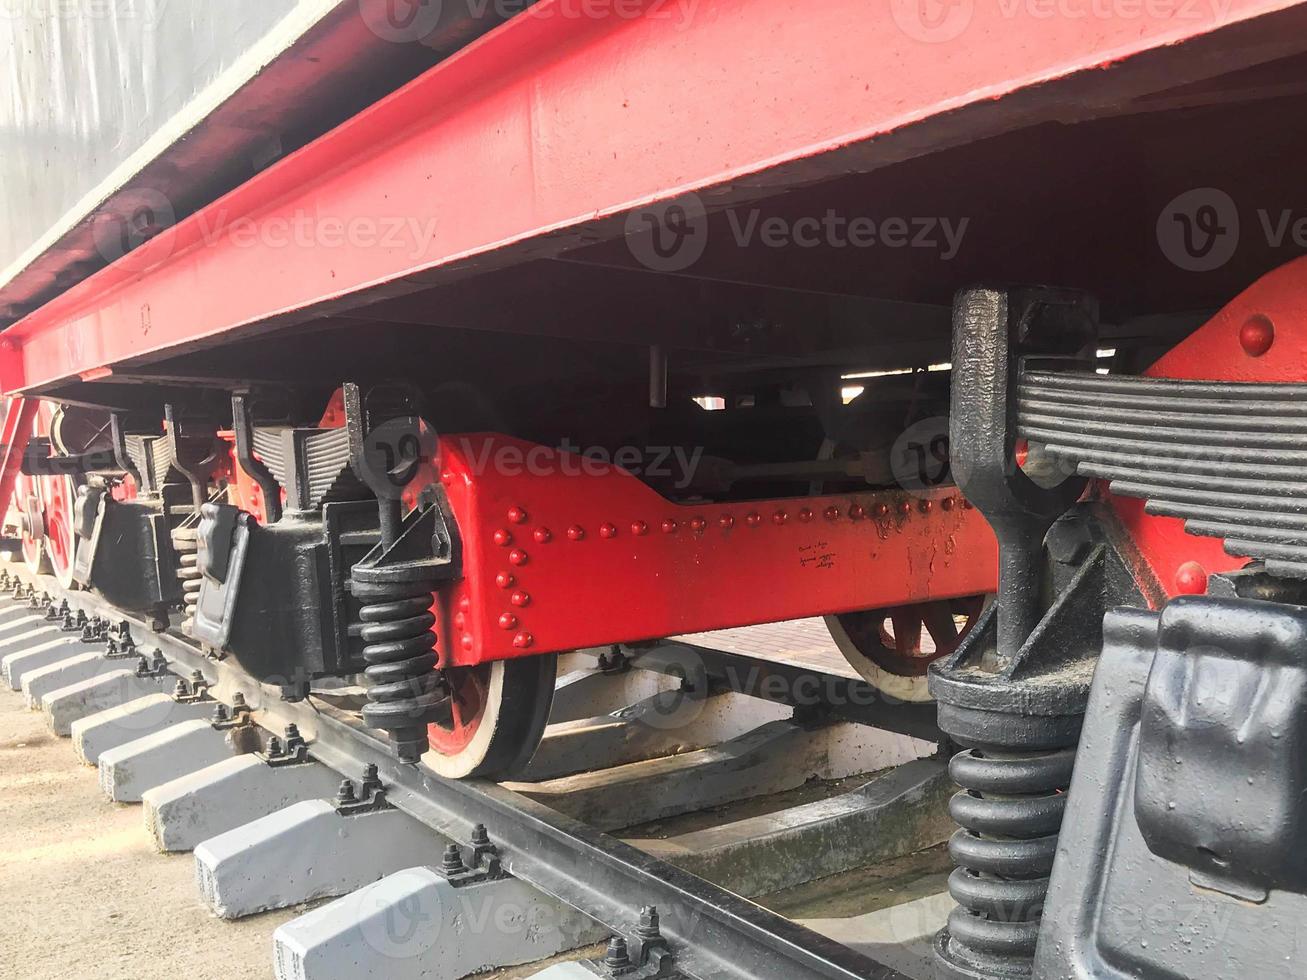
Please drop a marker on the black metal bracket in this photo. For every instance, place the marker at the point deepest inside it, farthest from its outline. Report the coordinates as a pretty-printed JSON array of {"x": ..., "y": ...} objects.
[
  {"x": 1014, "y": 692},
  {"x": 486, "y": 864},
  {"x": 370, "y": 797},
  {"x": 38, "y": 460},
  {"x": 195, "y": 448},
  {"x": 291, "y": 750},
  {"x": 155, "y": 666},
  {"x": 193, "y": 692},
  {"x": 243, "y": 426},
  {"x": 238, "y": 716},
  {"x": 118, "y": 440}
]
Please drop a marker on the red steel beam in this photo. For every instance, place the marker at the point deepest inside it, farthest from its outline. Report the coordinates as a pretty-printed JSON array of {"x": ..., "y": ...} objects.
[
  {"x": 576, "y": 112},
  {"x": 20, "y": 417},
  {"x": 561, "y": 552}
]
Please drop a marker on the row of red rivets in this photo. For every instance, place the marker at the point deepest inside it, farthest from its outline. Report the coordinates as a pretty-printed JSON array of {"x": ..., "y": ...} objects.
[
  {"x": 518, "y": 557},
  {"x": 507, "y": 580},
  {"x": 460, "y": 622},
  {"x": 857, "y": 512}
]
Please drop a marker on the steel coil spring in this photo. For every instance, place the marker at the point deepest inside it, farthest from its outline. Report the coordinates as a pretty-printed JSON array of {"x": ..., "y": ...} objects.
[
  {"x": 399, "y": 650},
  {"x": 185, "y": 543},
  {"x": 1010, "y": 811}
]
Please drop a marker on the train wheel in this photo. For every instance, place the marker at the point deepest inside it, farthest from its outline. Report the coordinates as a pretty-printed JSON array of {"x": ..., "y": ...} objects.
[
  {"x": 27, "y": 500},
  {"x": 497, "y": 714},
  {"x": 57, "y": 494},
  {"x": 893, "y": 648}
]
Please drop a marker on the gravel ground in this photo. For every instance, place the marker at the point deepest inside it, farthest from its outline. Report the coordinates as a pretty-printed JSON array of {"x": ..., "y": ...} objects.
[{"x": 85, "y": 893}]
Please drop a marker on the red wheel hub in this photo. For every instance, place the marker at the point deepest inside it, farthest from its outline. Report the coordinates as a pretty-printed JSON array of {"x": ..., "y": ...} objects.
[
  {"x": 469, "y": 688},
  {"x": 906, "y": 640},
  {"x": 59, "y": 540}
]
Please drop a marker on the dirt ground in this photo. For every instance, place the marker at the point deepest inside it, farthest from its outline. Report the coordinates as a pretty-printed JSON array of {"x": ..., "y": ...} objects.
[
  {"x": 85, "y": 893},
  {"x": 85, "y": 896}
]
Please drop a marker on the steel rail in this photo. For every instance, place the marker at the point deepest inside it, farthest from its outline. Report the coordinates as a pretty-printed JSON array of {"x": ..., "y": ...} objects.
[
  {"x": 714, "y": 934},
  {"x": 802, "y": 688}
]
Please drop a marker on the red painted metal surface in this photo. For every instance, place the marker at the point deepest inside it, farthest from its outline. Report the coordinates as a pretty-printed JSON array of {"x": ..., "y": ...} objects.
[
  {"x": 20, "y": 417},
  {"x": 1261, "y": 335},
  {"x": 526, "y": 141},
  {"x": 561, "y": 552}
]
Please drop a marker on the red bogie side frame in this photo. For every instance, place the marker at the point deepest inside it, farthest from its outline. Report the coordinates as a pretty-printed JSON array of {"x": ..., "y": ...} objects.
[{"x": 560, "y": 552}]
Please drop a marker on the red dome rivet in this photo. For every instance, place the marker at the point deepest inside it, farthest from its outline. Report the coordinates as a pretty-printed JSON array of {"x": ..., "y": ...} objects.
[
  {"x": 697, "y": 525},
  {"x": 881, "y": 511},
  {"x": 905, "y": 508},
  {"x": 505, "y": 581},
  {"x": 520, "y": 598},
  {"x": 460, "y": 620},
  {"x": 508, "y": 621},
  {"x": 518, "y": 557},
  {"x": 576, "y": 533},
  {"x": 1256, "y": 336},
  {"x": 856, "y": 512},
  {"x": 832, "y": 513},
  {"x": 805, "y": 515},
  {"x": 753, "y": 519},
  {"x": 948, "y": 503},
  {"x": 1191, "y": 579},
  {"x": 669, "y": 526},
  {"x": 543, "y": 535},
  {"x": 967, "y": 504},
  {"x": 924, "y": 506},
  {"x": 517, "y": 515},
  {"x": 780, "y": 517},
  {"x": 523, "y": 640},
  {"x": 503, "y": 538},
  {"x": 607, "y": 530},
  {"x": 465, "y": 603},
  {"x": 639, "y": 528},
  {"x": 726, "y": 522},
  {"x": 467, "y": 641}
]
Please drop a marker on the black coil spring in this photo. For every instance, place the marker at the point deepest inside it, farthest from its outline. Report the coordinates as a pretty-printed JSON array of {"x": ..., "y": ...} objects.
[
  {"x": 399, "y": 650},
  {"x": 1010, "y": 811},
  {"x": 185, "y": 542}
]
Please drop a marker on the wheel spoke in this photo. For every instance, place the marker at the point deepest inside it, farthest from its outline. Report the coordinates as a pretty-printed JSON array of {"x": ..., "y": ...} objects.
[{"x": 939, "y": 622}]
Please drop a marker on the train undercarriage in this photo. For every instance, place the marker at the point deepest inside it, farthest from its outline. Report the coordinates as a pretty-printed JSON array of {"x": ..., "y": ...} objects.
[
  {"x": 1008, "y": 393},
  {"x": 974, "y": 570}
]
